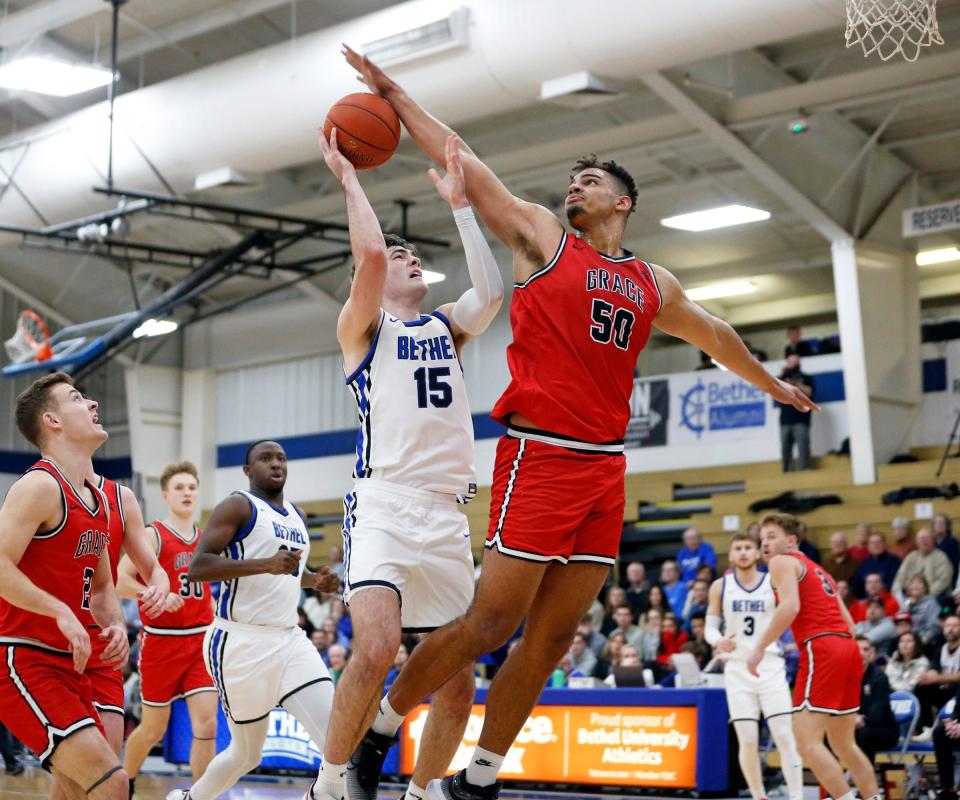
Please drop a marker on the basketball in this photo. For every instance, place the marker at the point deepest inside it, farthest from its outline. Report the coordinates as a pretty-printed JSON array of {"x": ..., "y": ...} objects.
[{"x": 368, "y": 129}]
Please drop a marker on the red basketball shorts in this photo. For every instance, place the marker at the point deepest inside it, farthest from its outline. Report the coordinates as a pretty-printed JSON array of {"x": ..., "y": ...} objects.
[
  {"x": 828, "y": 679},
  {"x": 172, "y": 667},
  {"x": 43, "y": 700},
  {"x": 106, "y": 679},
  {"x": 556, "y": 503}
]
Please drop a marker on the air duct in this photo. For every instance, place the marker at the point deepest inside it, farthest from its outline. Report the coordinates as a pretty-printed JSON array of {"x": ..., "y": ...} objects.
[{"x": 259, "y": 112}]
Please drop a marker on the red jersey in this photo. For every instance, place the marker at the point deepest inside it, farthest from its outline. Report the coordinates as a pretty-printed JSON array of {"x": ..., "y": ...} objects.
[
  {"x": 174, "y": 556},
  {"x": 579, "y": 325},
  {"x": 819, "y": 604},
  {"x": 61, "y": 562},
  {"x": 111, "y": 490}
]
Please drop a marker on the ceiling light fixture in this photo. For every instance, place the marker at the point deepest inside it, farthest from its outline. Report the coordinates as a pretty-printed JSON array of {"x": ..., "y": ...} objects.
[
  {"x": 939, "y": 256},
  {"x": 429, "y": 276},
  {"x": 711, "y": 218},
  {"x": 51, "y": 76},
  {"x": 713, "y": 291},
  {"x": 155, "y": 327},
  {"x": 435, "y": 36}
]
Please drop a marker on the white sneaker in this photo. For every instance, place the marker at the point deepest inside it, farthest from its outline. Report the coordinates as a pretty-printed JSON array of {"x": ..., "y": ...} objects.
[
  {"x": 316, "y": 792},
  {"x": 924, "y": 737},
  {"x": 179, "y": 794}
]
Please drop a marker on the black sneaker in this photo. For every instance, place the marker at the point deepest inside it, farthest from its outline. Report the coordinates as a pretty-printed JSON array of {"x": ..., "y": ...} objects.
[
  {"x": 455, "y": 787},
  {"x": 14, "y": 768},
  {"x": 366, "y": 765}
]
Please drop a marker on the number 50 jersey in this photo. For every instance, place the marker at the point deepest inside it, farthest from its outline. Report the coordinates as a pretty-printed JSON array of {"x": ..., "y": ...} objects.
[
  {"x": 747, "y": 613},
  {"x": 415, "y": 424}
]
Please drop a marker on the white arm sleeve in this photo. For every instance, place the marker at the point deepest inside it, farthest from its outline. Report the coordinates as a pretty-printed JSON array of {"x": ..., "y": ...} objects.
[
  {"x": 712, "y": 632},
  {"x": 477, "y": 306}
]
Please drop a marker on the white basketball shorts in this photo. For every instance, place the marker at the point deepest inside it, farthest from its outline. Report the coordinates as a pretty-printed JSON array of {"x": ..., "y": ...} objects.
[
  {"x": 412, "y": 541},
  {"x": 748, "y": 696},
  {"x": 255, "y": 667}
]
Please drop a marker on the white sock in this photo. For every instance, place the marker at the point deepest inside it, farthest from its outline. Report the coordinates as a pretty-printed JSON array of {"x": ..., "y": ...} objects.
[
  {"x": 388, "y": 721},
  {"x": 484, "y": 767},
  {"x": 330, "y": 778},
  {"x": 415, "y": 792}
]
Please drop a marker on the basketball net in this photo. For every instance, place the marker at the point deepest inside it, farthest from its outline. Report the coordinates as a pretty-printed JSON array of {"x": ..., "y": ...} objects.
[
  {"x": 889, "y": 27},
  {"x": 31, "y": 340}
]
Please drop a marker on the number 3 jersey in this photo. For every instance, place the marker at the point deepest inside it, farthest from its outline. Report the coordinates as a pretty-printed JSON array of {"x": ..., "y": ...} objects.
[
  {"x": 415, "y": 423},
  {"x": 579, "y": 325},
  {"x": 747, "y": 613},
  {"x": 174, "y": 555}
]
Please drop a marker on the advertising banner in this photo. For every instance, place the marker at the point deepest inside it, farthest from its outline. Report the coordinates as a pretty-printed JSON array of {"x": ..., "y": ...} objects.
[
  {"x": 288, "y": 745},
  {"x": 649, "y": 413},
  {"x": 637, "y": 746}
]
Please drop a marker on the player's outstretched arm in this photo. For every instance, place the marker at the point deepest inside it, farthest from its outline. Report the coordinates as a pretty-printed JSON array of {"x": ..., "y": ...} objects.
[
  {"x": 106, "y": 612},
  {"x": 681, "y": 317},
  {"x": 361, "y": 313},
  {"x": 140, "y": 545},
  {"x": 227, "y": 520},
  {"x": 529, "y": 230},
  {"x": 34, "y": 504},
  {"x": 783, "y": 576},
  {"x": 476, "y": 308}
]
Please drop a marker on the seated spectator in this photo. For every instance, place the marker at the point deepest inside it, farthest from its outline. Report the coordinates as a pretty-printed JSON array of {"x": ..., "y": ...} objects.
[
  {"x": 693, "y": 555},
  {"x": 706, "y": 573},
  {"x": 907, "y": 664},
  {"x": 903, "y": 543},
  {"x": 928, "y": 561},
  {"x": 924, "y": 610},
  {"x": 650, "y": 634},
  {"x": 875, "y": 588},
  {"x": 876, "y": 726},
  {"x": 334, "y": 633},
  {"x": 878, "y": 561},
  {"x": 940, "y": 683},
  {"x": 616, "y": 597},
  {"x": 943, "y": 536},
  {"x": 596, "y": 612},
  {"x": 582, "y": 658},
  {"x": 671, "y": 639},
  {"x": 674, "y": 589},
  {"x": 846, "y": 596},
  {"x": 637, "y": 588},
  {"x": 319, "y": 640},
  {"x": 839, "y": 563},
  {"x": 904, "y": 623},
  {"x": 705, "y": 362},
  {"x": 403, "y": 655},
  {"x": 808, "y": 548},
  {"x": 613, "y": 649},
  {"x": 860, "y": 535},
  {"x": 700, "y": 653},
  {"x": 623, "y": 617},
  {"x": 795, "y": 344},
  {"x": 877, "y": 627},
  {"x": 629, "y": 657},
  {"x": 697, "y": 602},
  {"x": 946, "y": 741},
  {"x": 698, "y": 630},
  {"x": 656, "y": 599},
  {"x": 337, "y": 659},
  {"x": 595, "y": 639}
]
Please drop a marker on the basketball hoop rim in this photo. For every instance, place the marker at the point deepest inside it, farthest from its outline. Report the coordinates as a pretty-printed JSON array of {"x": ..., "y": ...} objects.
[{"x": 42, "y": 349}]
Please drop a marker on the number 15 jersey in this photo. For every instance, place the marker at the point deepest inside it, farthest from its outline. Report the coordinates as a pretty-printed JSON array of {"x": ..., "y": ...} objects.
[
  {"x": 579, "y": 325},
  {"x": 415, "y": 423}
]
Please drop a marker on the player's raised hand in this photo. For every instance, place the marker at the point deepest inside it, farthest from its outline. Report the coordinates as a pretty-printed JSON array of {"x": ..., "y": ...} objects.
[
  {"x": 284, "y": 562},
  {"x": 151, "y": 601},
  {"x": 784, "y": 392},
  {"x": 726, "y": 645},
  {"x": 451, "y": 186},
  {"x": 334, "y": 159},
  {"x": 78, "y": 638},
  {"x": 325, "y": 581},
  {"x": 172, "y": 602},
  {"x": 754, "y": 662},
  {"x": 117, "y": 650},
  {"x": 369, "y": 73}
]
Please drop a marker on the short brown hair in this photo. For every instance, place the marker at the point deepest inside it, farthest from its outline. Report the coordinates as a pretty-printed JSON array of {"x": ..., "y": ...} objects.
[
  {"x": 175, "y": 469},
  {"x": 789, "y": 523},
  {"x": 742, "y": 536},
  {"x": 392, "y": 240},
  {"x": 33, "y": 402}
]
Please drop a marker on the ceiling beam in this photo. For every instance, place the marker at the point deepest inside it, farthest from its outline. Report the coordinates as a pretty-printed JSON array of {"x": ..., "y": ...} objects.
[
  {"x": 39, "y": 18},
  {"x": 743, "y": 155}
]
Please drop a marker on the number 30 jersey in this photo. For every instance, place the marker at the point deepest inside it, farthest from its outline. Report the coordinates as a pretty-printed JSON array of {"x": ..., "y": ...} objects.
[
  {"x": 579, "y": 325},
  {"x": 747, "y": 613},
  {"x": 174, "y": 556},
  {"x": 415, "y": 423}
]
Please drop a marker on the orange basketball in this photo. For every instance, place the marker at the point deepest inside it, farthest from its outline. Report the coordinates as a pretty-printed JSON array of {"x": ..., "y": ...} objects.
[{"x": 368, "y": 129}]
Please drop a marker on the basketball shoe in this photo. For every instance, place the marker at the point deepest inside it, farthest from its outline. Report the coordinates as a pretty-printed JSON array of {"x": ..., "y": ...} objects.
[
  {"x": 455, "y": 787},
  {"x": 366, "y": 765}
]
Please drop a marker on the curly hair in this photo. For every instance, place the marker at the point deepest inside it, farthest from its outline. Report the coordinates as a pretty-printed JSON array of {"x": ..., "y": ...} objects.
[{"x": 625, "y": 179}]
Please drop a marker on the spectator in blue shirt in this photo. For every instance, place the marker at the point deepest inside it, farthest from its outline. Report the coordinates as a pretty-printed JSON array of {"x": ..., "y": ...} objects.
[
  {"x": 879, "y": 562},
  {"x": 808, "y": 548},
  {"x": 694, "y": 554},
  {"x": 674, "y": 589}
]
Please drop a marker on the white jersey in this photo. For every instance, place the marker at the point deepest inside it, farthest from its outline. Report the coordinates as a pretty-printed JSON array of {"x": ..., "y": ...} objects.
[
  {"x": 747, "y": 613},
  {"x": 269, "y": 600},
  {"x": 415, "y": 423}
]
